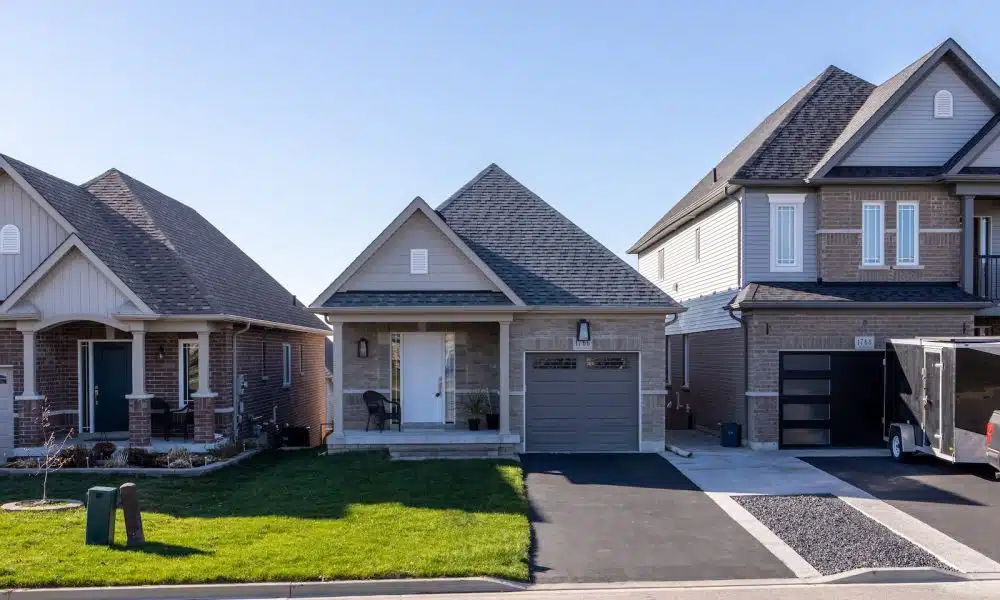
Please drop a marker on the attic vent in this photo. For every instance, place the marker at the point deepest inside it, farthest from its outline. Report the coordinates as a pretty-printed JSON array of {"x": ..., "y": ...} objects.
[
  {"x": 943, "y": 105},
  {"x": 10, "y": 239},
  {"x": 418, "y": 261}
]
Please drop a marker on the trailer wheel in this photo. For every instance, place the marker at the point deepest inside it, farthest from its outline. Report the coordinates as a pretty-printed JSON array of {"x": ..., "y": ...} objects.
[{"x": 896, "y": 446}]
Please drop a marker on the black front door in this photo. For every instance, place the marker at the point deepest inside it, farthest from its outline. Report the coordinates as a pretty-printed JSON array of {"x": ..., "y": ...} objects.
[{"x": 112, "y": 381}]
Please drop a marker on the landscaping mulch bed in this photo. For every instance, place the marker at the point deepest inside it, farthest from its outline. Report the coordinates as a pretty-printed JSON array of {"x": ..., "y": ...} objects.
[{"x": 833, "y": 536}]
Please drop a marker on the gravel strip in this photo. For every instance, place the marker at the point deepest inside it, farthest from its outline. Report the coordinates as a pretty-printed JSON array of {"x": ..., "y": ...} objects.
[{"x": 832, "y": 536}]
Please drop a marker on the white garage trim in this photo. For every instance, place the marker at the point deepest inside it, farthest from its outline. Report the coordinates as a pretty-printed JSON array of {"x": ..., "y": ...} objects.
[{"x": 524, "y": 386}]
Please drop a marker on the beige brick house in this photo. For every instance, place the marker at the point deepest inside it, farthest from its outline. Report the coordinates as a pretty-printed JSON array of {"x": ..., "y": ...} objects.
[
  {"x": 494, "y": 298},
  {"x": 131, "y": 318},
  {"x": 852, "y": 214}
]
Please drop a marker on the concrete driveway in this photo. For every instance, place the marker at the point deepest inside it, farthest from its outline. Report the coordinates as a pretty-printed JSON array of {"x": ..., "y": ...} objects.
[
  {"x": 631, "y": 517},
  {"x": 962, "y": 501}
]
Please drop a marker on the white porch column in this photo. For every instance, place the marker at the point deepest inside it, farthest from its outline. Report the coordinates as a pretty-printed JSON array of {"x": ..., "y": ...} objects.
[
  {"x": 968, "y": 242},
  {"x": 504, "y": 377},
  {"x": 338, "y": 379},
  {"x": 140, "y": 429},
  {"x": 139, "y": 365},
  {"x": 29, "y": 392},
  {"x": 204, "y": 367}
]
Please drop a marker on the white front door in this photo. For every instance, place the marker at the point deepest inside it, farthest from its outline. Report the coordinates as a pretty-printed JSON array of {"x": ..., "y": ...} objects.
[{"x": 422, "y": 377}]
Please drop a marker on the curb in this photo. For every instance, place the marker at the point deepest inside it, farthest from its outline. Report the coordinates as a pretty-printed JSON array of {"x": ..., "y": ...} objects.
[
  {"x": 895, "y": 575},
  {"x": 233, "y": 591},
  {"x": 147, "y": 471}
]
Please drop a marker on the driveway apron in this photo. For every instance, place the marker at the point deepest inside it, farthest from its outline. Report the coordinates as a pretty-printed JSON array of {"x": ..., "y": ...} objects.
[{"x": 632, "y": 517}]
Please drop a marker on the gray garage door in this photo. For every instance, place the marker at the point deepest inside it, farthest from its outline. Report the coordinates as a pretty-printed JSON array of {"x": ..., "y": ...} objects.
[{"x": 580, "y": 402}]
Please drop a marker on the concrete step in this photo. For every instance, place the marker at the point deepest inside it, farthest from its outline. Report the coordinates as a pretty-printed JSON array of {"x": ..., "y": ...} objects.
[{"x": 450, "y": 451}]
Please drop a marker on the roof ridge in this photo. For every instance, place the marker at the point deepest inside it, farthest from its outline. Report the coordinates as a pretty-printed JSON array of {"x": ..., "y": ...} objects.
[{"x": 491, "y": 167}]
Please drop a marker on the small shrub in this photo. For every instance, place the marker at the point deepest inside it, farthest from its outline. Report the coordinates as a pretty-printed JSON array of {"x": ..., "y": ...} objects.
[
  {"x": 227, "y": 450},
  {"x": 119, "y": 458},
  {"x": 140, "y": 457},
  {"x": 74, "y": 457},
  {"x": 23, "y": 463},
  {"x": 102, "y": 450},
  {"x": 160, "y": 461},
  {"x": 178, "y": 458}
]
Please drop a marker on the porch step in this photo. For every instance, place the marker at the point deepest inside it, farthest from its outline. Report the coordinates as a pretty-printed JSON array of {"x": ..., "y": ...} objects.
[{"x": 450, "y": 451}]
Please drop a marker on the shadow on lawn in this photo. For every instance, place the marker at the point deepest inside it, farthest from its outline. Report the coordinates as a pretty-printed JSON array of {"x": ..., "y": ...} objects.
[
  {"x": 304, "y": 485},
  {"x": 161, "y": 549}
]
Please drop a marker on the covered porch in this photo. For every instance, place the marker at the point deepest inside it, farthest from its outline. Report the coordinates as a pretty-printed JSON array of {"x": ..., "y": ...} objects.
[{"x": 437, "y": 380}]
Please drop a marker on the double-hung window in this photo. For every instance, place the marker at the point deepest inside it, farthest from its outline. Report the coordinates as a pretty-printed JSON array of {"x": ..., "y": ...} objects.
[
  {"x": 786, "y": 231},
  {"x": 872, "y": 234},
  {"x": 286, "y": 365},
  {"x": 907, "y": 234}
]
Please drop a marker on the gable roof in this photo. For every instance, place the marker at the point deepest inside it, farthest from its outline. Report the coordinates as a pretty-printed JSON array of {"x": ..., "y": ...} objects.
[
  {"x": 418, "y": 204},
  {"x": 784, "y": 145},
  {"x": 173, "y": 259},
  {"x": 543, "y": 256},
  {"x": 821, "y": 123}
]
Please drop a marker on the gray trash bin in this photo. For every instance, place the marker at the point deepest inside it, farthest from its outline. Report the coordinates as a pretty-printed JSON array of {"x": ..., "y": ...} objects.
[{"x": 730, "y": 435}]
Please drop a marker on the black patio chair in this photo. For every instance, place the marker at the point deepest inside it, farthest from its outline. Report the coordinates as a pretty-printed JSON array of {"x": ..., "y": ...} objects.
[
  {"x": 182, "y": 419},
  {"x": 383, "y": 410},
  {"x": 160, "y": 421}
]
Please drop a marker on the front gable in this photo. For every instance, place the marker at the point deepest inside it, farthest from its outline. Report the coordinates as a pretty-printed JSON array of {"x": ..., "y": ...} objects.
[
  {"x": 36, "y": 232},
  {"x": 910, "y": 135}
]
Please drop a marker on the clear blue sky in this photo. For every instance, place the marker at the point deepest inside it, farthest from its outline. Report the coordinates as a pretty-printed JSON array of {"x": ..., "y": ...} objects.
[{"x": 301, "y": 129}]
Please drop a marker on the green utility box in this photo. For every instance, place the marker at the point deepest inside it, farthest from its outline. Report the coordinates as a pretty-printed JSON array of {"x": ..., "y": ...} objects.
[{"x": 102, "y": 503}]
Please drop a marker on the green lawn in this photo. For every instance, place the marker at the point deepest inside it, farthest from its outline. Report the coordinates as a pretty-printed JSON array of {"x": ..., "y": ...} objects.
[{"x": 283, "y": 517}]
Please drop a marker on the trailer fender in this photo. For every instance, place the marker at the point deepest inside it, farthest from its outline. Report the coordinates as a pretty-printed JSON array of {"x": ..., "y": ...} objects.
[{"x": 906, "y": 434}]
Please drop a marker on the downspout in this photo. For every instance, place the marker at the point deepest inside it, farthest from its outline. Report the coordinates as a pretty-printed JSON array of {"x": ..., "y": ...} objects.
[
  {"x": 746, "y": 368},
  {"x": 237, "y": 392}
]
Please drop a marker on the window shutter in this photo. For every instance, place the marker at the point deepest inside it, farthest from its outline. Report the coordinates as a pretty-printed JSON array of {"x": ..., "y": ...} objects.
[
  {"x": 943, "y": 105},
  {"x": 10, "y": 239},
  {"x": 418, "y": 261}
]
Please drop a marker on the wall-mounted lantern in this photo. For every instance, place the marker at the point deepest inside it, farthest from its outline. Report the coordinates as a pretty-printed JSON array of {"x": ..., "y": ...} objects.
[
  {"x": 362, "y": 348},
  {"x": 159, "y": 353},
  {"x": 582, "y": 331}
]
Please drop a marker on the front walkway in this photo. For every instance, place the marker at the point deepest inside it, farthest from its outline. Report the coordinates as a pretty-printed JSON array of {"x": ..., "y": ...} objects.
[{"x": 726, "y": 475}]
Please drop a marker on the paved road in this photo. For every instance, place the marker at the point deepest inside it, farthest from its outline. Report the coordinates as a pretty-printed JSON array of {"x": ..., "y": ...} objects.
[
  {"x": 962, "y": 501},
  {"x": 627, "y": 517},
  {"x": 945, "y": 591}
]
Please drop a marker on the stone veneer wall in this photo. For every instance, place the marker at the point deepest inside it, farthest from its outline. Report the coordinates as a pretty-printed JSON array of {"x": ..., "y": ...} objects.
[
  {"x": 839, "y": 233},
  {"x": 773, "y": 331},
  {"x": 477, "y": 364},
  {"x": 634, "y": 333}
]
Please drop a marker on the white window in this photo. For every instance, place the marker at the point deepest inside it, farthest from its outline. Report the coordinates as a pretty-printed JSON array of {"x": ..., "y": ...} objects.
[
  {"x": 286, "y": 364},
  {"x": 872, "y": 234},
  {"x": 418, "y": 261},
  {"x": 786, "y": 231},
  {"x": 660, "y": 264},
  {"x": 907, "y": 233},
  {"x": 697, "y": 245},
  {"x": 669, "y": 362},
  {"x": 10, "y": 239},
  {"x": 686, "y": 356},
  {"x": 944, "y": 106},
  {"x": 188, "y": 370}
]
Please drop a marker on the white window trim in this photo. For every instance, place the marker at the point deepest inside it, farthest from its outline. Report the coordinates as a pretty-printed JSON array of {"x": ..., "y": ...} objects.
[
  {"x": 286, "y": 365},
  {"x": 697, "y": 245},
  {"x": 661, "y": 263},
  {"x": 881, "y": 238},
  {"x": 181, "y": 380},
  {"x": 798, "y": 202},
  {"x": 669, "y": 362},
  {"x": 418, "y": 255},
  {"x": 916, "y": 234},
  {"x": 686, "y": 340}
]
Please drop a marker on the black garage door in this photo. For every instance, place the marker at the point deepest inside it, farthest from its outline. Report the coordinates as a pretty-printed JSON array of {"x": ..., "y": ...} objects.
[
  {"x": 830, "y": 398},
  {"x": 581, "y": 402}
]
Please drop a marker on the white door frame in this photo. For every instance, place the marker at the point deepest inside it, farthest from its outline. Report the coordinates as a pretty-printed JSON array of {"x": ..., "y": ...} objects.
[
  {"x": 402, "y": 361},
  {"x": 87, "y": 395}
]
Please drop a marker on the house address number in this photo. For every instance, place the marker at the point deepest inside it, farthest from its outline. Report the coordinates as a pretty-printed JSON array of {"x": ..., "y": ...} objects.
[{"x": 864, "y": 342}]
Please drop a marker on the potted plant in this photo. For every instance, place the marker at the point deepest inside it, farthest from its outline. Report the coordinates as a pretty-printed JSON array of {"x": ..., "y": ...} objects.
[
  {"x": 476, "y": 405},
  {"x": 492, "y": 412}
]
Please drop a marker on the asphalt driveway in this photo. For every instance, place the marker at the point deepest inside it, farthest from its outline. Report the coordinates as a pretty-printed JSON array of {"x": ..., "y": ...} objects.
[
  {"x": 962, "y": 501},
  {"x": 632, "y": 517}
]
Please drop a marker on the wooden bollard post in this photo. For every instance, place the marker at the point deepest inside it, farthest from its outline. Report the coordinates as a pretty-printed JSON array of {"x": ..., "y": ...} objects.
[{"x": 133, "y": 518}]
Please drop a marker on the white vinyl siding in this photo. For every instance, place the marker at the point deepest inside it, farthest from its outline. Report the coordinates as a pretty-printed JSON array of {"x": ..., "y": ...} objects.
[
  {"x": 38, "y": 234},
  {"x": 786, "y": 231},
  {"x": 389, "y": 268},
  {"x": 756, "y": 234},
  {"x": 717, "y": 267},
  {"x": 697, "y": 244},
  {"x": 660, "y": 265},
  {"x": 911, "y": 136},
  {"x": 75, "y": 286},
  {"x": 872, "y": 234},
  {"x": 907, "y": 233},
  {"x": 990, "y": 157}
]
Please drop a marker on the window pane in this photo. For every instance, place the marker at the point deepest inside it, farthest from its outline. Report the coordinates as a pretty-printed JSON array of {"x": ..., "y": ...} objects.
[
  {"x": 805, "y": 412},
  {"x": 806, "y": 437},
  {"x": 871, "y": 225},
  {"x": 189, "y": 357},
  {"x": 806, "y": 362},
  {"x": 554, "y": 363},
  {"x": 784, "y": 245},
  {"x": 616, "y": 363},
  {"x": 806, "y": 387},
  {"x": 906, "y": 233}
]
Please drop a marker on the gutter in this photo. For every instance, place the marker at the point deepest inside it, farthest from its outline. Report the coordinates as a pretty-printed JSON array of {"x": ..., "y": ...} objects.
[
  {"x": 842, "y": 305},
  {"x": 596, "y": 309},
  {"x": 704, "y": 203},
  {"x": 237, "y": 413},
  {"x": 319, "y": 330}
]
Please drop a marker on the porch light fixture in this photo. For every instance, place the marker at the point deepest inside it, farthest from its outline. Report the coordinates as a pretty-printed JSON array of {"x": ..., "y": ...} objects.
[
  {"x": 582, "y": 331},
  {"x": 159, "y": 353},
  {"x": 362, "y": 348}
]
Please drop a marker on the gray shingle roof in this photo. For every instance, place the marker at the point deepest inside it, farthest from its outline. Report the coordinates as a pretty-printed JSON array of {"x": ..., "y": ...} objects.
[
  {"x": 539, "y": 253},
  {"x": 785, "y": 145},
  {"x": 417, "y": 299},
  {"x": 852, "y": 293},
  {"x": 170, "y": 256}
]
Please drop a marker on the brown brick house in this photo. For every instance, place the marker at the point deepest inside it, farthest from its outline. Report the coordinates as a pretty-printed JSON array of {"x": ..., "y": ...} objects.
[
  {"x": 497, "y": 295},
  {"x": 853, "y": 214},
  {"x": 120, "y": 304}
]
